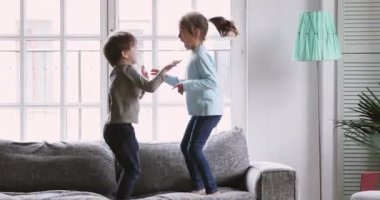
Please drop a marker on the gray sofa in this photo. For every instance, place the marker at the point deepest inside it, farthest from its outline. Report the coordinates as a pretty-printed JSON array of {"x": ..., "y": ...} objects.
[{"x": 87, "y": 170}]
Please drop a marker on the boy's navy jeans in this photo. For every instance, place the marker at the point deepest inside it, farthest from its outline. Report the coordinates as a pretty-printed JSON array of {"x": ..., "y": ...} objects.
[
  {"x": 197, "y": 132},
  {"x": 122, "y": 141}
]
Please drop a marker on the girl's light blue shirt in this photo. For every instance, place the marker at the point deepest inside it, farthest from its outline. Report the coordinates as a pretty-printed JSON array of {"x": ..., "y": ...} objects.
[{"x": 203, "y": 95}]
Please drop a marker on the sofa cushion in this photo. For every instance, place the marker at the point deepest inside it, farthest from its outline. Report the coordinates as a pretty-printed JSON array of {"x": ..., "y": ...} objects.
[
  {"x": 225, "y": 194},
  {"x": 52, "y": 195},
  {"x": 366, "y": 195},
  {"x": 164, "y": 169},
  {"x": 39, "y": 166}
]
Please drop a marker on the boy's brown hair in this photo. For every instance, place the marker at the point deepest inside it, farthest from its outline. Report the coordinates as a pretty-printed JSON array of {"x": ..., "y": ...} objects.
[{"x": 116, "y": 43}]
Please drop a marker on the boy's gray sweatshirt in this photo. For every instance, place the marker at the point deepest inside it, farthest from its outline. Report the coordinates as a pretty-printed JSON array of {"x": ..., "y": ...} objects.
[{"x": 126, "y": 88}]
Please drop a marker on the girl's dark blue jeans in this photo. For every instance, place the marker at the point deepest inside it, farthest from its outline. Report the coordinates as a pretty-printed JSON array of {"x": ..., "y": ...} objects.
[
  {"x": 122, "y": 141},
  {"x": 197, "y": 132}
]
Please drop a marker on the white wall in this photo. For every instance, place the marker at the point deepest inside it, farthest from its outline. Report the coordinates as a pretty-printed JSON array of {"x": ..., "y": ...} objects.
[
  {"x": 283, "y": 94},
  {"x": 328, "y": 132},
  {"x": 328, "y": 115}
]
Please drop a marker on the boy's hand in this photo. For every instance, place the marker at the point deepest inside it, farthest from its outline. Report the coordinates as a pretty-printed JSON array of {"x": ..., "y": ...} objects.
[
  {"x": 179, "y": 87},
  {"x": 144, "y": 72},
  {"x": 154, "y": 72}
]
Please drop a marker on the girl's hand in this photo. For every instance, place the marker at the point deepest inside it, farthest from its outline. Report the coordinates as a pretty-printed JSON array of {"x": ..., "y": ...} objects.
[
  {"x": 166, "y": 68},
  {"x": 179, "y": 87},
  {"x": 171, "y": 65}
]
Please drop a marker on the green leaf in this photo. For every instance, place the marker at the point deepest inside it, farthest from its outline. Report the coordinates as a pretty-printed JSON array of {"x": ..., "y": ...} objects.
[{"x": 367, "y": 125}]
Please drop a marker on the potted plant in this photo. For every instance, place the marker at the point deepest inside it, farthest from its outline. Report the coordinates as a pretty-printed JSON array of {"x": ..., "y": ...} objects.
[{"x": 366, "y": 129}]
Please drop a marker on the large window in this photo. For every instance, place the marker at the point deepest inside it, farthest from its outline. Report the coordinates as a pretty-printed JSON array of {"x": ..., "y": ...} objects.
[
  {"x": 51, "y": 71},
  {"x": 53, "y": 77}
]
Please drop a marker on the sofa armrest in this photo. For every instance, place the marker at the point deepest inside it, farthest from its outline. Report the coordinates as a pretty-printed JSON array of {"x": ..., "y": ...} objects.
[{"x": 271, "y": 181}]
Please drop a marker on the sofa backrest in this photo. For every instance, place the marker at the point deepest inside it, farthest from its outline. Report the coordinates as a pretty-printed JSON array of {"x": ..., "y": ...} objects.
[
  {"x": 38, "y": 166},
  {"x": 164, "y": 169}
]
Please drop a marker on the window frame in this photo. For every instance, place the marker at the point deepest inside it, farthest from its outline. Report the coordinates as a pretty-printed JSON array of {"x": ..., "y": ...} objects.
[{"x": 62, "y": 38}]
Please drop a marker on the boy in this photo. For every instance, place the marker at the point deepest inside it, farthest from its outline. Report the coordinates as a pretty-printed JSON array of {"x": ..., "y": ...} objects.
[{"x": 126, "y": 88}]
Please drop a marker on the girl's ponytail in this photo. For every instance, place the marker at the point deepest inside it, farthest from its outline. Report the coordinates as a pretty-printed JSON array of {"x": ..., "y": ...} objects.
[{"x": 224, "y": 27}]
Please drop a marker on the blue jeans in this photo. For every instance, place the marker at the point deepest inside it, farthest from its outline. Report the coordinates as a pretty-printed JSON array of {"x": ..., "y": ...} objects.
[
  {"x": 197, "y": 132},
  {"x": 122, "y": 141}
]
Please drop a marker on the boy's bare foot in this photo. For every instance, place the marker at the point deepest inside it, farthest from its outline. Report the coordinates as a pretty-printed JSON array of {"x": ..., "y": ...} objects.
[{"x": 201, "y": 192}]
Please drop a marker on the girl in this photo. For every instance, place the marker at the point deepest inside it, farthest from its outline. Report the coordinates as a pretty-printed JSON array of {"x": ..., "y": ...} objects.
[{"x": 203, "y": 96}]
